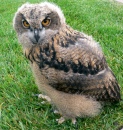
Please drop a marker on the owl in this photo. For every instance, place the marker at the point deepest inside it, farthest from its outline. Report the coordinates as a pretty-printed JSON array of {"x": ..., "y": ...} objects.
[{"x": 69, "y": 66}]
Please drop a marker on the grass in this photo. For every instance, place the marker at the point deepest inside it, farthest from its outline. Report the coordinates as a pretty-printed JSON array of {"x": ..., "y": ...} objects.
[{"x": 19, "y": 110}]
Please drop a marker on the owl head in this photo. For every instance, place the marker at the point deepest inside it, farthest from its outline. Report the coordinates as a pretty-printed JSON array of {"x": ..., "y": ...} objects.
[{"x": 35, "y": 23}]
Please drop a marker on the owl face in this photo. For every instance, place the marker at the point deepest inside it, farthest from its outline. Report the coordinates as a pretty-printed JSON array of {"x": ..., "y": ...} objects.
[{"x": 35, "y": 23}]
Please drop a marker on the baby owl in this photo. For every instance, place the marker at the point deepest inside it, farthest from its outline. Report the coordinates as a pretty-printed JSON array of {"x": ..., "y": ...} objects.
[{"x": 68, "y": 65}]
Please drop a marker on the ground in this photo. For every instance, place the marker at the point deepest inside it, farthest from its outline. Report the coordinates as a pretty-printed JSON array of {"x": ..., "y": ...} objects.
[{"x": 19, "y": 109}]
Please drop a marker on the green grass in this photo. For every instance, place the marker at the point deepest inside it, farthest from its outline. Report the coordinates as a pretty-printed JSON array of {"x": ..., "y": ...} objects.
[{"x": 19, "y": 110}]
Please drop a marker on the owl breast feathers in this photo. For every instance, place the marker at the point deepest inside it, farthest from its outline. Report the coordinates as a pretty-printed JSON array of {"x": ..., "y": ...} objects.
[{"x": 65, "y": 62}]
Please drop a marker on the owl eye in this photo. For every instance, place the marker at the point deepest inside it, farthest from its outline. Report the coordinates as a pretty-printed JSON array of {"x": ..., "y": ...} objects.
[
  {"x": 46, "y": 22},
  {"x": 25, "y": 24}
]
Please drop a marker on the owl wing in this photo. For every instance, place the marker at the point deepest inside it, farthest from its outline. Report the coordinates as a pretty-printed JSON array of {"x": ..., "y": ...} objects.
[
  {"x": 102, "y": 86},
  {"x": 77, "y": 67},
  {"x": 86, "y": 71}
]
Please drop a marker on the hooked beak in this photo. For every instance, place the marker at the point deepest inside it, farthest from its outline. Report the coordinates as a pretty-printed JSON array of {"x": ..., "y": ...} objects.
[{"x": 36, "y": 34}]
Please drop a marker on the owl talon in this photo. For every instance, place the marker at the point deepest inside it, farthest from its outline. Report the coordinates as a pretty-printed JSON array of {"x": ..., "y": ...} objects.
[
  {"x": 44, "y": 97},
  {"x": 56, "y": 112},
  {"x": 35, "y": 95},
  {"x": 74, "y": 121},
  {"x": 43, "y": 102},
  {"x": 60, "y": 120}
]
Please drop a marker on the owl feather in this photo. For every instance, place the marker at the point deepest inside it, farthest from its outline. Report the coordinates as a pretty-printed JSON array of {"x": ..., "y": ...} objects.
[{"x": 68, "y": 65}]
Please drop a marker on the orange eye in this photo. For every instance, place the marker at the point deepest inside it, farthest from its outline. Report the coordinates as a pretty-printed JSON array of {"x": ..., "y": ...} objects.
[
  {"x": 46, "y": 22},
  {"x": 25, "y": 24}
]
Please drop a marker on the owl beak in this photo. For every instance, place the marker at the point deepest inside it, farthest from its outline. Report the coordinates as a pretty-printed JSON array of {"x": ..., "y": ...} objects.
[{"x": 36, "y": 35}]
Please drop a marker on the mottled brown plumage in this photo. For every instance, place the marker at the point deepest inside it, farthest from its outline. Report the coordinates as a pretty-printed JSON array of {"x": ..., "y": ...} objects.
[
  {"x": 74, "y": 68},
  {"x": 68, "y": 65}
]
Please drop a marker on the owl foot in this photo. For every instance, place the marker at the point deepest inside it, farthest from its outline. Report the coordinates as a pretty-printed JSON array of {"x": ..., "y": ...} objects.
[
  {"x": 44, "y": 97},
  {"x": 43, "y": 102},
  {"x": 74, "y": 121},
  {"x": 60, "y": 120},
  {"x": 56, "y": 112}
]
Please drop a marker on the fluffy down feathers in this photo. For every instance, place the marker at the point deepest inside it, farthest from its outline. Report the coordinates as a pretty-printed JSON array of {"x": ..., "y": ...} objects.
[{"x": 68, "y": 65}]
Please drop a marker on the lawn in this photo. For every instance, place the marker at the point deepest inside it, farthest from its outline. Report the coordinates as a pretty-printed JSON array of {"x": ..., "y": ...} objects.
[{"x": 19, "y": 109}]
